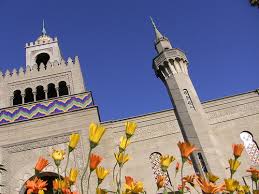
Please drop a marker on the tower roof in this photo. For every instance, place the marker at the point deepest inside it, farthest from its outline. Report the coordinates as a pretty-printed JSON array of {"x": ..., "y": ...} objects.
[
  {"x": 44, "y": 37},
  {"x": 158, "y": 34}
]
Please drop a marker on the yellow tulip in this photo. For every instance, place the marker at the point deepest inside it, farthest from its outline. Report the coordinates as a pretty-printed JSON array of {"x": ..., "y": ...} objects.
[
  {"x": 234, "y": 164},
  {"x": 211, "y": 177},
  {"x": 242, "y": 189},
  {"x": 58, "y": 155},
  {"x": 95, "y": 134},
  {"x": 74, "y": 138},
  {"x": 100, "y": 191},
  {"x": 165, "y": 161},
  {"x": 101, "y": 174},
  {"x": 132, "y": 187},
  {"x": 231, "y": 184},
  {"x": 124, "y": 142},
  {"x": 41, "y": 192},
  {"x": 130, "y": 128},
  {"x": 73, "y": 175},
  {"x": 246, "y": 189},
  {"x": 121, "y": 158}
]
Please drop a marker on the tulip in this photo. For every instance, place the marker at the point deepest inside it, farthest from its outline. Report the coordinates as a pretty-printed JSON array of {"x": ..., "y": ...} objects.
[
  {"x": 231, "y": 184},
  {"x": 58, "y": 155},
  {"x": 73, "y": 175},
  {"x": 41, "y": 164},
  {"x": 35, "y": 185},
  {"x": 94, "y": 161},
  {"x": 124, "y": 142},
  {"x": 237, "y": 150},
  {"x": 56, "y": 184},
  {"x": 121, "y": 158},
  {"x": 101, "y": 174},
  {"x": 242, "y": 189},
  {"x": 160, "y": 182},
  {"x": 211, "y": 177},
  {"x": 190, "y": 179},
  {"x": 208, "y": 187},
  {"x": 100, "y": 191},
  {"x": 130, "y": 128},
  {"x": 74, "y": 138},
  {"x": 254, "y": 174},
  {"x": 165, "y": 162},
  {"x": 41, "y": 192},
  {"x": 234, "y": 164},
  {"x": 95, "y": 134},
  {"x": 186, "y": 149},
  {"x": 133, "y": 187}
]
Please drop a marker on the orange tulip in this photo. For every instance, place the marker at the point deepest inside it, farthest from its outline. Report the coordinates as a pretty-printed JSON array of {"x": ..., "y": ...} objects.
[
  {"x": 133, "y": 187},
  {"x": 35, "y": 185},
  {"x": 254, "y": 173},
  {"x": 41, "y": 164},
  {"x": 237, "y": 149},
  {"x": 177, "y": 166},
  {"x": 186, "y": 149},
  {"x": 94, "y": 161},
  {"x": 208, "y": 187},
  {"x": 160, "y": 182},
  {"x": 190, "y": 179}
]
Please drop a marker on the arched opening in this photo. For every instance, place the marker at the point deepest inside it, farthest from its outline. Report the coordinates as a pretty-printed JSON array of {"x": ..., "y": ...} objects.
[
  {"x": 52, "y": 91},
  {"x": 28, "y": 95},
  {"x": 40, "y": 94},
  {"x": 42, "y": 58},
  {"x": 62, "y": 88},
  {"x": 45, "y": 176},
  {"x": 17, "y": 97}
]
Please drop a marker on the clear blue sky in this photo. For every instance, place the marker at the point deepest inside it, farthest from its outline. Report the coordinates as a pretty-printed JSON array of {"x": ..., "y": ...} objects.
[{"x": 114, "y": 41}]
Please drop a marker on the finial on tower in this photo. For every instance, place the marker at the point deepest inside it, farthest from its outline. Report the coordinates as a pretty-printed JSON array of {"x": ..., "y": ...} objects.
[
  {"x": 159, "y": 36},
  {"x": 44, "y": 32}
]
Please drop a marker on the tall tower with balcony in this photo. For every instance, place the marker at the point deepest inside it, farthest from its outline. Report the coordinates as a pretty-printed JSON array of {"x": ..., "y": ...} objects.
[{"x": 171, "y": 66}]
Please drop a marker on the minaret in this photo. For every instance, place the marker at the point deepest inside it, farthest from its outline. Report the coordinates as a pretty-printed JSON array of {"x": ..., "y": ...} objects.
[{"x": 171, "y": 66}]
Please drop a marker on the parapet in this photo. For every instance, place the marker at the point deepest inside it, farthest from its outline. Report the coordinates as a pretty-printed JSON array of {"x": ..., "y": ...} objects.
[
  {"x": 36, "y": 70},
  {"x": 42, "y": 40}
]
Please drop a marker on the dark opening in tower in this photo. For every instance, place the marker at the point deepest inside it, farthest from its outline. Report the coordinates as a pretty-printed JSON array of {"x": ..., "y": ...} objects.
[
  {"x": 62, "y": 88},
  {"x": 52, "y": 91},
  {"x": 42, "y": 58},
  {"x": 28, "y": 95},
  {"x": 40, "y": 93},
  {"x": 17, "y": 97}
]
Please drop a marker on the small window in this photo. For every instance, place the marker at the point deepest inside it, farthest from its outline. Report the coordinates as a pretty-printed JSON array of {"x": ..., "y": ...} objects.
[
  {"x": 28, "y": 95},
  {"x": 62, "y": 88},
  {"x": 17, "y": 97},
  {"x": 40, "y": 93},
  {"x": 52, "y": 92},
  {"x": 42, "y": 58}
]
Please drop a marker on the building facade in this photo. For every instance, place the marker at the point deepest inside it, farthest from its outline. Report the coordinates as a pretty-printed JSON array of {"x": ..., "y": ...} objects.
[{"x": 43, "y": 103}]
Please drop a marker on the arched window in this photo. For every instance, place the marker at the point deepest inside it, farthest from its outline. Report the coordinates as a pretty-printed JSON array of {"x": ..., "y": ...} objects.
[
  {"x": 28, "y": 95},
  {"x": 155, "y": 164},
  {"x": 40, "y": 94},
  {"x": 17, "y": 97},
  {"x": 42, "y": 58},
  {"x": 62, "y": 88},
  {"x": 45, "y": 176},
  {"x": 52, "y": 91},
  {"x": 251, "y": 147}
]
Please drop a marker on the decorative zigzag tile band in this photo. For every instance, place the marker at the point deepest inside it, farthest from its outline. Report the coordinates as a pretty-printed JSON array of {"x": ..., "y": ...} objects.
[{"x": 44, "y": 108}]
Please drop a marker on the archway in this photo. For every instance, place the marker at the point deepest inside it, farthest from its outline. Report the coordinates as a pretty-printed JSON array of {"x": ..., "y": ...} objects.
[
  {"x": 40, "y": 93},
  {"x": 28, "y": 95},
  {"x": 42, "y": 58},
  {"x": 52, "y": 91},
  {"x": 45, "y": 176},
  {"x": 62, "y": 88},
  {"x": 17, "y": 97}
]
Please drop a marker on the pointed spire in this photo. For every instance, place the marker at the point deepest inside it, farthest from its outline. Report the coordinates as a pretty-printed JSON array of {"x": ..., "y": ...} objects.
[
  {"x": 159, "y": 36},
  {"x": 44, "y": 32}
]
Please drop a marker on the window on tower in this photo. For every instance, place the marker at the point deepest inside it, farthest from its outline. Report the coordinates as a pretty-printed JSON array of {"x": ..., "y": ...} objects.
[
  {"x": 28, "y": 95},
  {"x": 17, "y": 97},
  {"x": 62, "y": 88},
  {"x": 42, "y": 58},
  {"x": 40, "y": 93},
  {"x": 52, "y": 92}
]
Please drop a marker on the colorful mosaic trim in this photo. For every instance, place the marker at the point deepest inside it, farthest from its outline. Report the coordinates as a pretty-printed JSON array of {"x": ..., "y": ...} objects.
[{"x": 45, "y": 108}]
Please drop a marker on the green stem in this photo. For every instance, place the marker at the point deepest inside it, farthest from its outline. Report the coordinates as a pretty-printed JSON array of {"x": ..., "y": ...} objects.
[
  {"x": 88, "y": 181},
  {"x": 120, "y": 178},
  {"x": 113, "y": 171},
  {"x": 182, "y": 175},
  {"x": 67, "y": 163},
  {"x": 59, "y": 179},
  {"x": 85, "y": 170}
]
